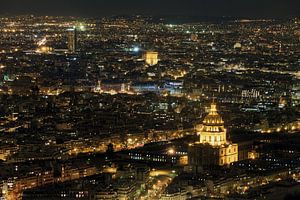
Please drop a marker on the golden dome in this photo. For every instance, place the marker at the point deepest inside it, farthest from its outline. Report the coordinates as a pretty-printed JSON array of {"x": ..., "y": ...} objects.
[
  {"x": 213, "y": 118},
  {"x": 212, "y": 131}
]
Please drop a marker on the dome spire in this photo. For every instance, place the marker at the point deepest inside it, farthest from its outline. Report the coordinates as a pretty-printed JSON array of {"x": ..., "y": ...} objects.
[{"x": 213, "y": 108}]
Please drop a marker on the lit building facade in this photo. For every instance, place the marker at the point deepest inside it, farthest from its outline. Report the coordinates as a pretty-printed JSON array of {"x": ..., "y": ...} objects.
[
  {"x": 151, "y": 58},
  {"x": 213, "y": 148}
]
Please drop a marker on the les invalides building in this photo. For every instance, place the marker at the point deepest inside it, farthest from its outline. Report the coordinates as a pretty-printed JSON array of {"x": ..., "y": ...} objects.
[{"x": 212, "y": 148}]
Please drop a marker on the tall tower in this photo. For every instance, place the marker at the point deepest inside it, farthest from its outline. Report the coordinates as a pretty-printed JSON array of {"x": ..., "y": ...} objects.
[
  {"x": 213, "y": 148},
  {"x": 72, "y": 40}
]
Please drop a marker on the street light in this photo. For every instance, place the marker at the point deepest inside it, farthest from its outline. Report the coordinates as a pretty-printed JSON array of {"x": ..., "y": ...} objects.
[{"x": 171, "y": 151}]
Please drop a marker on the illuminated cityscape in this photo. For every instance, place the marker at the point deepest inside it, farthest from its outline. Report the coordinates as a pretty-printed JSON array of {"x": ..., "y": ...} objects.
[{"x": 148, "y": 106}]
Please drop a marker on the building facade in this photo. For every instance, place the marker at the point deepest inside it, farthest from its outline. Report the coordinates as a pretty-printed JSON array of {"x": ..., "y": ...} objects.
[{"x": 151, "y": 58}]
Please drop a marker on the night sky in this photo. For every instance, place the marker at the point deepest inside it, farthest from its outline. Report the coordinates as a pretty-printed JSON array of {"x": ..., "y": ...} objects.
[{"x": 213, "y": 8}]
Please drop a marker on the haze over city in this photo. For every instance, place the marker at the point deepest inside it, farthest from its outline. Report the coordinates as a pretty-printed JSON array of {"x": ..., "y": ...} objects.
[{"x": 202, "y": 8}]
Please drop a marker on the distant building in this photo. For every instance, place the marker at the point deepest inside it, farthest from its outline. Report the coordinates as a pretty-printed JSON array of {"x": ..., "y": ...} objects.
[
  {"x": 121, "y": 190},
  {"x": 151, "y": 58},
  {"x": 44, "y": 49},
  {"x": 213, "y": 148},
  {"x": 194, "y": 38},
  {"x": 283, "y": 102},
  {"x": 174, "y": 194},
  {"x": 250, "y": 94},
  {"x": 296, "y": 94},
  {"x": 237, "y": 45},
  {"x": 72, "y": 40},
  {"x": 144, "y": 87},
  {"x": 117, "y": 86},
  {"x": 175, "y": 88}
]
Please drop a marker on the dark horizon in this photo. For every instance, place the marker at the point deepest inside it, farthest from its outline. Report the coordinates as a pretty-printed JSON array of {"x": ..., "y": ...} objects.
[{"x": 200, "y": 8}]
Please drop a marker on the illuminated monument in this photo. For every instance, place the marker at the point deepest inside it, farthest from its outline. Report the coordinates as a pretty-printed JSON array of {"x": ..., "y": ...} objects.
[
  {"x": 151, "y": 58},
  {"x": 213, "y": 148}
]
